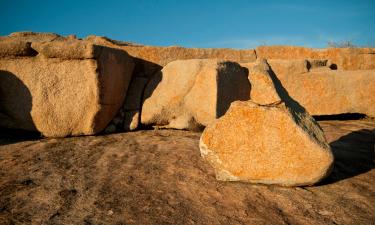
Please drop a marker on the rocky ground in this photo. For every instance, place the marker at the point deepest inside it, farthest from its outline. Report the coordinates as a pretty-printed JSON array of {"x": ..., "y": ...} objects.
[{"x": 158, "y": 177}]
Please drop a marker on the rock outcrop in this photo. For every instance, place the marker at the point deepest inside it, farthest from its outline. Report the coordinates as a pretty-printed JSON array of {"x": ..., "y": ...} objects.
[
  {"x": 61, "y": 87},
  {"x": 188, "y": 94}
]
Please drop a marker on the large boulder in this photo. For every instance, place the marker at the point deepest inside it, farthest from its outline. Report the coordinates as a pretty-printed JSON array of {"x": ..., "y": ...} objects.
[
  {"x": 269, "y": 144},
  {"x": 188, "y": 94},
  {"x": 69, "y": 87}
]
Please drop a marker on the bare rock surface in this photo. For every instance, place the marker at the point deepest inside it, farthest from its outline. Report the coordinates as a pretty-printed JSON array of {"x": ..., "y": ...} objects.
[
  {"x": 188, "y": 94},
  {"x": 158, "y": 177}
]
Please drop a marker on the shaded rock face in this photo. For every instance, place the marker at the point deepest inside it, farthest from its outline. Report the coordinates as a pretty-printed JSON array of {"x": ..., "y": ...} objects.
[
  {"x": 188, "y": 94},
  {"x": 69, "y": 87}
]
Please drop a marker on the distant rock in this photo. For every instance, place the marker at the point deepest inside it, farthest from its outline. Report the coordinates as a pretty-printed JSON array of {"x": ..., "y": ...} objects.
[
  {"x": 150, "y": 59},
  {"x": 188, "y": 94},
  {"x": 68, "y": 87},
  {"x": 30, "y": 36},
  {"x": 340, "y": 58},
  {"x": 16, "y": 48}
]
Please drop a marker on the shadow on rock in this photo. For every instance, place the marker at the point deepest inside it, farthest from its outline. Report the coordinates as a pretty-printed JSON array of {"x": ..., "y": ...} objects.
[
  {"x": 15, "y": 108},
  {"x": 354, "y": 155},
  {"x": 231, "y": 86}
]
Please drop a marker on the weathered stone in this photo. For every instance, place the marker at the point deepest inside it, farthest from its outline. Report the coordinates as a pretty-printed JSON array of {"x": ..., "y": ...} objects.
[
  {"x": 333, "y": 92},
  {"x": 263, "y": 90},
  {"x": 72, "y": 49},
  {"x": 327, "y": 92},
  {"x": 150, "y": 59},
  {"x": 29, "y": 36},
  {"x": 60, "y": 96},
  {"x": 270, "y": 144},
  {"x": 290, "y": 66},
  {"x": 188, "y": 94},
  {"x": 16, "y": 48},
  {"x": 340, "y": 58},
  {"x": 165, "y": 55}
]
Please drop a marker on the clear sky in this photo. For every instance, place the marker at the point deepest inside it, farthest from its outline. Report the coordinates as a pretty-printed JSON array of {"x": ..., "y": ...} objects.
[{"x": 199, "y": 23}]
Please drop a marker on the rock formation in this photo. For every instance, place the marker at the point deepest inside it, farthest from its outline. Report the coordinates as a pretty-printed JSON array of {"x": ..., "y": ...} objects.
[
  {"x": 342, "y": 78},
  {"x": 188, "y": 94},
  {"x": 60, "y": 87},
  {"x": 270, "y": 139}
]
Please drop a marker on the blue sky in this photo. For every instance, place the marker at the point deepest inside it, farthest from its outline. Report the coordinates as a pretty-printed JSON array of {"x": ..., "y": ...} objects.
[{"x": 194, "y": 23}]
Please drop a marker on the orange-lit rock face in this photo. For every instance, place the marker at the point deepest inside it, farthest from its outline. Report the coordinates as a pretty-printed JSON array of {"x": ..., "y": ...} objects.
[
  {"x": 271, "y": 144},
  {"x": 319, "y": 89},
  {"x": 191, "y": 93},
  {"x": 343, "y": 58},
  {"x": 164, "y": 55},
  {"x": 333, "y": 92},
  {"x": 65, "y": 88},
  {"x": 263, "y": 89},
  {"x": 149, "y": 58}
]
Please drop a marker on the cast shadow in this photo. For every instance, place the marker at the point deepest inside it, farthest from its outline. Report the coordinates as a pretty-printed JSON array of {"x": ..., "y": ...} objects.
[
  {"x": 298, "y": 109},
  {"x": 354, "y": 155},
  {"x": 16, "y": 123},
  {"x": 232, "y": 85}
]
